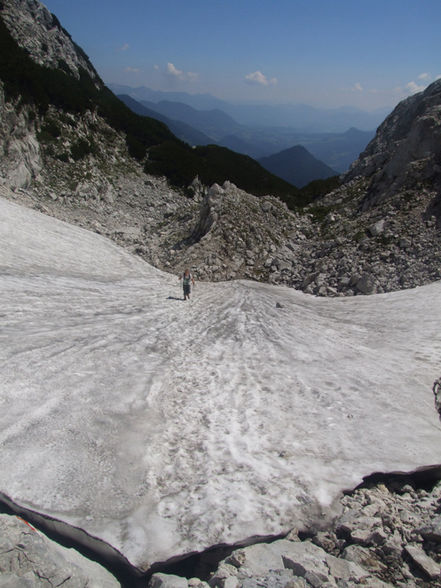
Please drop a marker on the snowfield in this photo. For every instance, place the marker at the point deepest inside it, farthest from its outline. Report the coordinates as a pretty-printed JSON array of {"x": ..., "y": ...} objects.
[{"x": 165, "y": 427}]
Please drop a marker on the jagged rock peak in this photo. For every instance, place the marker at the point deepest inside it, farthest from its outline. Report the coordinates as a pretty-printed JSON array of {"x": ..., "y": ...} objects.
[
  {"x": 39, "y": 32},
  {"x": 406, "y": 151}
]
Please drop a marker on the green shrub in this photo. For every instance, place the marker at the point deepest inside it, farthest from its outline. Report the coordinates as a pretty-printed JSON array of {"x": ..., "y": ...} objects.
[
  {"x": 82, "y": 148},
  {"x": 62, "y": 156},
  {"x": 319, "y": 213},
  {"x": 319, "y": 188},
  {"x": 49, "y": 131},
  {"x": 359, "y": 236}
]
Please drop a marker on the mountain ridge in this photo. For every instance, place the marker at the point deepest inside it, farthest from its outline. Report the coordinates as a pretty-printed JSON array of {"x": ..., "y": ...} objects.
[
  {"x": 23, "y": 75},
  {"x": 254, "y": 114},
  {"x": 182, "y": 130},
  {"x": 297, "y": 166},
  {"x": 213, "y": 122},
  {"x": 338, "y": 151}
]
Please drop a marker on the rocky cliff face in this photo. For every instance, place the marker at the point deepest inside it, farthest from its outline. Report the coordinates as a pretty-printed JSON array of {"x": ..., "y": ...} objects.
[
  {"x": 20, "y": 153},
  {"x": 406, "y": 151},
  {"x": 41, "y": 34}
]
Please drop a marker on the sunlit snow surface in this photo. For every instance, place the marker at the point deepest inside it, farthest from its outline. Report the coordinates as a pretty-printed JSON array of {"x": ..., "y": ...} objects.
[{"x": 165, "y": 426}]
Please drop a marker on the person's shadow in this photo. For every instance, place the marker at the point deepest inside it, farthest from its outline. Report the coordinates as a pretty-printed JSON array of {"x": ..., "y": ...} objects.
[{"x": 175, "y": 298}]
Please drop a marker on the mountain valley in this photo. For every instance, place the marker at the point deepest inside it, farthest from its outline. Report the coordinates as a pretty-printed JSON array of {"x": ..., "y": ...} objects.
[
  {"x": 280, "y": 429},
  {"x": 337, "y": 150}
]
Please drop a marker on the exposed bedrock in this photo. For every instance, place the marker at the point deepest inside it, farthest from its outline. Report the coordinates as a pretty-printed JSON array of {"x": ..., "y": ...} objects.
[
  {"x": 406, "y": 149},
  {"x": 209, "y": 212},
  {"x": 62, "y": 534}
]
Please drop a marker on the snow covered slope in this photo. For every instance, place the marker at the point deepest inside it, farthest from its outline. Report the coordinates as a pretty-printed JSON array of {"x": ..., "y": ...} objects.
[{"x": 165, "y": 426}]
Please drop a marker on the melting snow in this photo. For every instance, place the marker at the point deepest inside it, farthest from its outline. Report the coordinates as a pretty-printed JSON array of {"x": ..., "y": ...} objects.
[{"x": 164, "y": 426}]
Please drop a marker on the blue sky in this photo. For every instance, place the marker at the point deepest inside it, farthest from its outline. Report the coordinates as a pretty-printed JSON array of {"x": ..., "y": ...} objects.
[{"x": 328, "y": 53}]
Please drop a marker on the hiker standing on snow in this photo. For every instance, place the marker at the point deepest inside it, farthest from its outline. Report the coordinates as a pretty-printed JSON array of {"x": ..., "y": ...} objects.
[{"x": 187, "y": 279}]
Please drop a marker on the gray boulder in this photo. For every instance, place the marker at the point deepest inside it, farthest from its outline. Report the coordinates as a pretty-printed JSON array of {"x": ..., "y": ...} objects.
[
  {"x": 279, "y": 579},
  {"x": 432, "y": 532},
  {"x": 167, "y": 581},
  {"x": 29, "y": 558},
  {"x": 366, "y": 284},
  {"x": 377, "y": 228},
  {"x": 260, "y": 558},
  {"x": 425, "y": 563},
  {"x": 8, "y": 580},
  {"x": 364, "y": 558}
]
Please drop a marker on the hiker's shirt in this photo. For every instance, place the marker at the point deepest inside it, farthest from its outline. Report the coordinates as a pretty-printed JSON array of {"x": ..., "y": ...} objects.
[{"x": 186, "y": 280}]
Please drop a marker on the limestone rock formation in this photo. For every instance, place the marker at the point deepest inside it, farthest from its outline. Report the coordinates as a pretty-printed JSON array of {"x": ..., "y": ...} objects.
[
  {"x": 20, "y": 153},
  {"x": 406, "y": 151},
  {"x": 28, "y": 559},
  {"x": 40, "y": 32}
]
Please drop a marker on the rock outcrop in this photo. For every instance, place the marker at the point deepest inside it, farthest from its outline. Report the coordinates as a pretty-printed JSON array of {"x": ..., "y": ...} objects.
[
  {"x": 406, "y": 151},
  {"x": 41, "y": 34},
  {"x": 29, "y": 559},
  {"x": 20, "y": 153}
]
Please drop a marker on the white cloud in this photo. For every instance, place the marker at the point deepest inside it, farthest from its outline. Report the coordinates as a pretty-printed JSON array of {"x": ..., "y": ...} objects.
[
  {"x": 357, "y": 87},
  {"x": 260, "y": 79},
  {"x": 173, "y": 71},
  {"x": 124, "y": 47},
  {"x": 413, "y": 87},
  {"x": 131, "y": 69},
  {"x": 156, "y": 67},
  {"x": 425, "y": 79}
]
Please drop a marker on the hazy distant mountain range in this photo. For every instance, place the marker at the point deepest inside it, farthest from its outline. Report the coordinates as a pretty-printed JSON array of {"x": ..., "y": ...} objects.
[
  {"x": 298, "y": 116},
  {"x": 337, "y": 150},
  {"x": 214, "y": 125},
  {"x": 295, "y": 165},
  {"x": 182, "y": 130}
]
